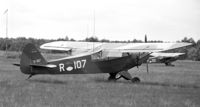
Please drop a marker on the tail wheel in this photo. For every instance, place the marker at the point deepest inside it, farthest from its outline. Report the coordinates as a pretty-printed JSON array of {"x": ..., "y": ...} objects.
[
  {"x": 112, "y": 77},
  {"x": 135, "y": 80},
  {"x": 167, "y": 64}
]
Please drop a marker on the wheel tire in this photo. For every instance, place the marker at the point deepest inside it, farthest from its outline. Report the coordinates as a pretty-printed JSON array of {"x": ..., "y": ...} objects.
[
  {"x": 135, "y": 80},
  {"x": 111, "y": 79}
]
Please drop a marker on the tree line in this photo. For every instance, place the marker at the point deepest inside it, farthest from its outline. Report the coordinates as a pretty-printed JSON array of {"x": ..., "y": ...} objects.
[{"x": 17, "y": 44}]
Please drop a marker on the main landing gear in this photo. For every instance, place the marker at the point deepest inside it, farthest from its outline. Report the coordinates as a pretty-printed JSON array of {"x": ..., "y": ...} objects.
[
  {"x": 135, "y": 80},
  {"x": 114, "y": 77},
  {"x": 169, "y": 64},
  {"x": 125, "y": 74}
]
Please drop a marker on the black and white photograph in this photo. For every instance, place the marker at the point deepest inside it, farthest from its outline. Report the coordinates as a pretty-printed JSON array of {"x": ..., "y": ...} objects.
[{"x": 99, "y": 53}]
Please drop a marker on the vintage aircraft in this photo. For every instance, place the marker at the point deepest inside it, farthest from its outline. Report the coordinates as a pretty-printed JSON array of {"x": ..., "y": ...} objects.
[
  {"x": 166, "y": 58},
  {"x": 112, "y": 58}
]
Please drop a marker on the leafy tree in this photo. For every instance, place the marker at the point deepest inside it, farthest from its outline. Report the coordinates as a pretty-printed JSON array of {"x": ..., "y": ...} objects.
[
  {"x": 104, "y": 40},
  {"x": 92, "y": 39},
  {"x": 66, "y": 38},
  {"x": 72, "y": 39},
  {"x": 188, "y": 40}
]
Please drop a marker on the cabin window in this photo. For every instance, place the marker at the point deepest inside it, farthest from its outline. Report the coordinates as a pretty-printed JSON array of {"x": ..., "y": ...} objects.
[{"x": 97, "y": 56}]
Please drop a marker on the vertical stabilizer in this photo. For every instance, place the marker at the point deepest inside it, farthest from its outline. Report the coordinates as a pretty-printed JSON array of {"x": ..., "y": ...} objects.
[{"x": 30, "y": 55}]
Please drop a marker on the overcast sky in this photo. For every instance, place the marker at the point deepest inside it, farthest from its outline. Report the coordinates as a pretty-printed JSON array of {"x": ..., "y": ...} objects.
[{"x": 167, "y": 20}]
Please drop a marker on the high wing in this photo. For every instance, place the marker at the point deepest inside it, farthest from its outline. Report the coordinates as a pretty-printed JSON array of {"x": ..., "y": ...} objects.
[
  {"x": 112, "y": 49},
  {"x": 91, "y": 52},
  {"x": 70, "y": 45},
  {"x": 151, "y": 47}
]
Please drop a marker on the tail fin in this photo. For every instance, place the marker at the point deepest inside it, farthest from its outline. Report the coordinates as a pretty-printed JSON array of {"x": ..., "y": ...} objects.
[{"x": 30, "y": 55}]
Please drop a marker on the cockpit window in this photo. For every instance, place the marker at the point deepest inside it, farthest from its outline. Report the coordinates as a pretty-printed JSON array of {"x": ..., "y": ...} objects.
[{"x": 97, "y": 56}]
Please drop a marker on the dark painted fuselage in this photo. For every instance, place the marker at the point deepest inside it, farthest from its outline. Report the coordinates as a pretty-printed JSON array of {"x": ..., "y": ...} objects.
[{"x": 87, "y": 65}]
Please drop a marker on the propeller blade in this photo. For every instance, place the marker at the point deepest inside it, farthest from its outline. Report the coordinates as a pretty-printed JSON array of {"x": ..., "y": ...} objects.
[
  {"x": 147, "y": 66},
  {"x": 138, "y": 58}
]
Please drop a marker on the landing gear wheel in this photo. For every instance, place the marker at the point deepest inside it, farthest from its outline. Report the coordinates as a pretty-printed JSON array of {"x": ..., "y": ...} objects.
[
  {"x": 112, "y": 77},
  {"x": 135, "y": 80},
  {"x": 169, "y": 64}
]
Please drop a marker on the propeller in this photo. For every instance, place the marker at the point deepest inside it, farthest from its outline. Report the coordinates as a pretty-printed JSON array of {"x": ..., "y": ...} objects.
[
  {"x": 138, "y": 59},
  {"x": 147, "y": 65}
]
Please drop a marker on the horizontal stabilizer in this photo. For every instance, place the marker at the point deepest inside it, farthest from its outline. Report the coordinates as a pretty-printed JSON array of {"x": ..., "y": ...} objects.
[
  {"x": 39, "y": 66},
  {"x": 43, "y": 66},
  {"x": 16, "y": 64}
]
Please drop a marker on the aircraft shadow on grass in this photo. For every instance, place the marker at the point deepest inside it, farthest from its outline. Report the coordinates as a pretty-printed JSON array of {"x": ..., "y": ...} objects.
[
  {"x": 170, "y": 85},
  {"x": 152, "y": 84},
  {"x": 48, "y": 81},
  {"x": 101, "y": 80}
]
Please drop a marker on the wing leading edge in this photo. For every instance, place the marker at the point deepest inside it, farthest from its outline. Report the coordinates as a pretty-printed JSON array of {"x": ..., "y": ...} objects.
[{"x": 113, "y": 49}]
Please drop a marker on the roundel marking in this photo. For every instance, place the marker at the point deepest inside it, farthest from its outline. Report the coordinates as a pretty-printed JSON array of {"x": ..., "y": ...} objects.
[{"x": 70, "y": 68}]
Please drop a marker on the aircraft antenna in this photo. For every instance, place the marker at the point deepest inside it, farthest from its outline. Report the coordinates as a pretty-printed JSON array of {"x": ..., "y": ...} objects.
[
  {"x": 87, "y": 30},
  {"x": 94, "y": 25},
  {"x": 93, "y": 28},
  {"x": 6, "y": 13}
]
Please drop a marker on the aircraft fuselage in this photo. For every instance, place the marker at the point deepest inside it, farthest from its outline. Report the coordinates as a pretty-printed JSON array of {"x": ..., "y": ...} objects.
[{"x": 85, "y": 65}]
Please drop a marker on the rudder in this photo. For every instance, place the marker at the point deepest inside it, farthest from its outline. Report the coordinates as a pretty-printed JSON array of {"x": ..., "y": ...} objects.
[{"x": 30, "y": 55}]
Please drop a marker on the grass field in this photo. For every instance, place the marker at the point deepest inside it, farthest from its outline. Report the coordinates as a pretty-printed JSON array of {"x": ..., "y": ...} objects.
[{"x": 177, "y": 86}]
